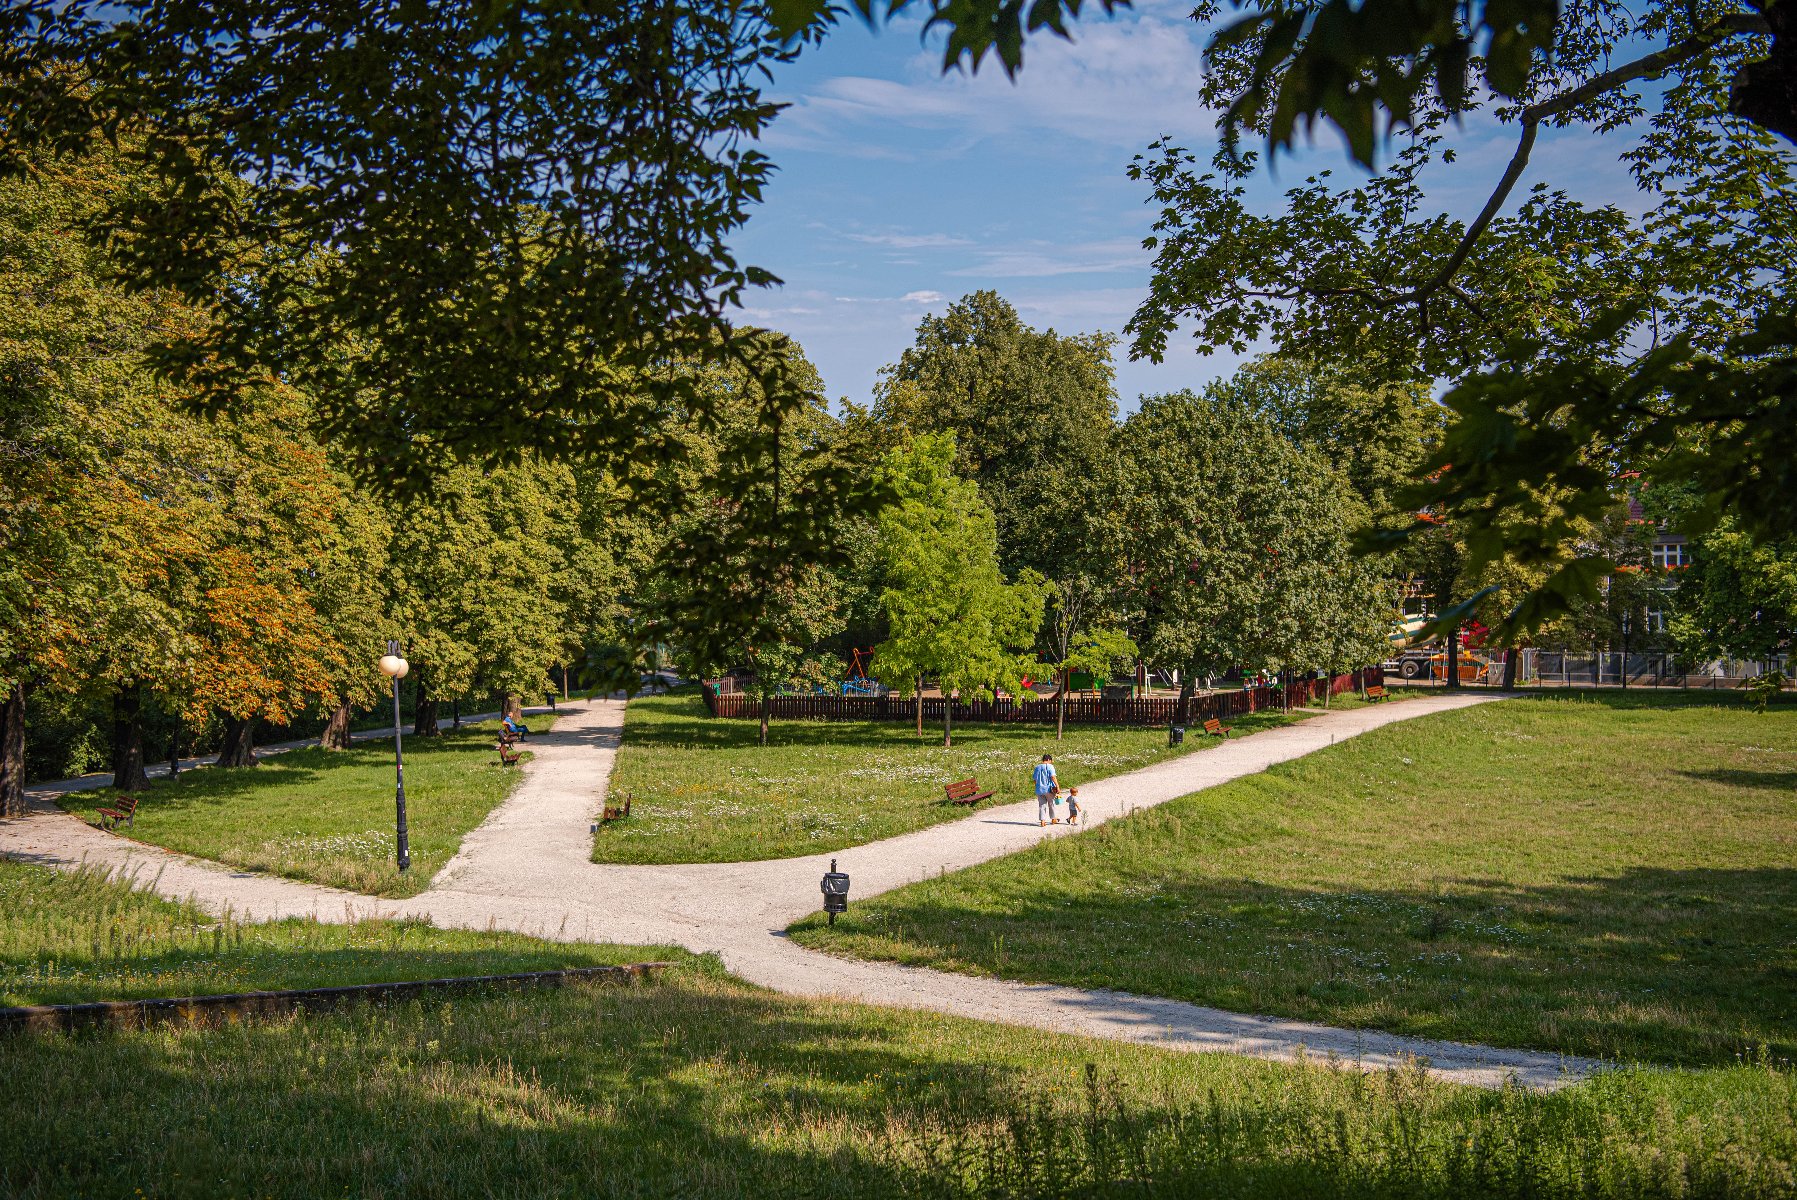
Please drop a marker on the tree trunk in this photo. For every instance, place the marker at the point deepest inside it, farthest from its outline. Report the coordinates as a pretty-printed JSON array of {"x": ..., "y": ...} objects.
[
  {"x": 174, "y": 751},
  {"x": 455, "y": 713},
  {"x": 128, "y": 741},
  {"x": 564, "y": 683},
  {"x": 239, "y": 749},
  {"x": 767, "y": 711},
  {"x": 424, "y": 716},
  {"x": 336, "y": 730},
  {"x": 1182, "y": 710},
  {"x": 1454, "y": 657},
  {"x": 920, "y": 706},
  {"x": 948, "y": 719},
  {"x": 1060, "y": 707},
  {"x": 514, "y": 707},
  {"x": 1512, "y": 661},
  {"x": 12, "y": 753}
]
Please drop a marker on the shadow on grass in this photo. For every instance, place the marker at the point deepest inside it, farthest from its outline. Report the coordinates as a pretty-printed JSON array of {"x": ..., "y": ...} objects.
[
  {"x": 1774, "y": 781},
  {"x": 678, "y": 721},
  {"x": 1648, "y": 698},
  {"x": 710, "y": 1090},
  {"x": 197, "y": 968},
  {"x": 1672, "y": 966},
  {"x": 211, "y": 786},
  {"x": 573, "y": 1093}
]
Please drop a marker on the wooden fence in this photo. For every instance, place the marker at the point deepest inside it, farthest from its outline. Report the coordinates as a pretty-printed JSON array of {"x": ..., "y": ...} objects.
[{"x": 1081, "y": 710}]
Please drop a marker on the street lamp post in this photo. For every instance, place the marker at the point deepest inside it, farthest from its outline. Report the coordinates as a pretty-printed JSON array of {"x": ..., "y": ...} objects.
[
  {"x": 1625, "y": 649},
  {"x": 395, "y": 668}
]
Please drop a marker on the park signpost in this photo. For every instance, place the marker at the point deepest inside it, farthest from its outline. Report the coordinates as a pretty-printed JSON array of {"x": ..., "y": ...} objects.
[{"x": 395, "y": 668}]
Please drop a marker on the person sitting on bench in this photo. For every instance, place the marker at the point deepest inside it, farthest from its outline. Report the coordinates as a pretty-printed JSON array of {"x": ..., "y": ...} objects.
[{"x": 517, "y": 727}]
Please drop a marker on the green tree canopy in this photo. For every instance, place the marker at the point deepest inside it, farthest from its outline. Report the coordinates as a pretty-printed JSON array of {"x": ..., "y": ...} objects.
[
  {"x": 951, "y": 613},
  {"x": 1030, "y": 411},
  {"x": 477, "y": 580},
  {"x": 1238, "y": 543},
  {"x": 1584, "y": 339}
]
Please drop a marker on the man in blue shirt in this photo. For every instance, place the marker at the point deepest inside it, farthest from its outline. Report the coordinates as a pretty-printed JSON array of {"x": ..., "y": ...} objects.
[{"x": 1046, "y": 786}]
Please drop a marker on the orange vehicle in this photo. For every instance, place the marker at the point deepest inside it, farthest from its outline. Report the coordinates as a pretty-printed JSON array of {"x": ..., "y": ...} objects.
[{"x": 1473, "y": 668}]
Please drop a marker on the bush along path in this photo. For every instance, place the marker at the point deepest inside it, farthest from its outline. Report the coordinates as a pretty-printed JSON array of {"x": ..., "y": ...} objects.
[{"x": 526, "y": 870}]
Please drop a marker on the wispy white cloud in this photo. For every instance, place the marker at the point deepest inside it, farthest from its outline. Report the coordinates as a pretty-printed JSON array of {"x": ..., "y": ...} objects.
[
  {"x": 925, "y": 297},
  {"x": 910, "y": 241},
  {"x": 1045, "y": 259},
  {"x": 1122, "y": 81}
]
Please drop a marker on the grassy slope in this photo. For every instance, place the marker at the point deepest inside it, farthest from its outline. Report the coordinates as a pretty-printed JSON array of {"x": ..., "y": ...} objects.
[
  {"x": 702, "y": 1085},
  {"x": 77, "y": 937},
  {"x": 1614, "y": 876},
  {"x": 705, "y": 792},
  {"x": 327, "y": 816}
]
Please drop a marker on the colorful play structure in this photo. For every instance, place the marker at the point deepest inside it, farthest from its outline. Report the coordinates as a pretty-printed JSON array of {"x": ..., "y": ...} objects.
[{"x": 859, "y": 683}]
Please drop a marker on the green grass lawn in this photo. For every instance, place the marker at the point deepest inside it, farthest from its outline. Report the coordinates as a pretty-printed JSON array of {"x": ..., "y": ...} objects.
[
  {"x": 698, "y": 1084},
  {"x": 78, "y": 937},
  {"x": 705, "y": 792},
  {"x": 1611, "y": 875},
  {"x": 327, "y": 815}
]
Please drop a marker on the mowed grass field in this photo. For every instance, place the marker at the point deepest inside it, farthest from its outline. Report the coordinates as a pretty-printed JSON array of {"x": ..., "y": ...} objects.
[
  {"x": 1611, "y": 875},
  {"x": 699, "y": 1085},
  {"x": 706, "y": 792},
  {"x": 327, "y": 816}
]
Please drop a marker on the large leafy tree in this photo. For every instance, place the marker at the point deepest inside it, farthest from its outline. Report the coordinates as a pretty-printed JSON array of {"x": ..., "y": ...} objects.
[
  {"x": 431, "y": 217},
  {"x": 951, "y": 612},
  {"x": 476, "y": 580},
  {"x": 737, "y": 466},
  {"x": 1738, "y": 599},
  {"x": 1583, "y": 338},
  {"x": 1238, "y": 544},
  {"x": 470, "y": 234},
  {"x": 111, "y": 525},
  {"x": 1029, "y": 410},
  {"x": 1377, "y": 433}
]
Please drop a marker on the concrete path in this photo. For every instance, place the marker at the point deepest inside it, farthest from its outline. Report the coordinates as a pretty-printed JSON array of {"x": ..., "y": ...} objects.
[{"x": 526, "y": 869}]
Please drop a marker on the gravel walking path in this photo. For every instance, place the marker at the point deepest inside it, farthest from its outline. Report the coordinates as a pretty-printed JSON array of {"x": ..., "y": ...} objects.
[{"x": 526, "y": 868}]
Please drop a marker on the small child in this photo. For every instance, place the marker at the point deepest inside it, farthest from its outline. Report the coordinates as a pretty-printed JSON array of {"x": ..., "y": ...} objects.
[{"x": 1072, "y": 806}]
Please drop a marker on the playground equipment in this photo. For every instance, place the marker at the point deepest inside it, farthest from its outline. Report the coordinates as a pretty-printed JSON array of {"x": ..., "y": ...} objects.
[{"x": 858, "y": 683}]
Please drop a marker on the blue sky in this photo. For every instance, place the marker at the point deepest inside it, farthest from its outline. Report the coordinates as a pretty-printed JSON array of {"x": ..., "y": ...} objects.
[{"x": 901, "y": 189}]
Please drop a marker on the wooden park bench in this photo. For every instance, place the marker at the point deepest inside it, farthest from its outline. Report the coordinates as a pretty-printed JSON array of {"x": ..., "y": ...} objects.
[
  {"x": 612, "y": 812},
  {"x": 1216, "y": 728},
  {"x": 125, "y": 813},
  {"x": 965, "y": 792},
  {"x": 1375, "y": 693},
  {"x": 507, "y": 756}
]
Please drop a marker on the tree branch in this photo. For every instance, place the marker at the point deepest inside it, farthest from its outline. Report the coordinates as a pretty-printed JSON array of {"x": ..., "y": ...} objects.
[{"x": 1644, "y": 67}]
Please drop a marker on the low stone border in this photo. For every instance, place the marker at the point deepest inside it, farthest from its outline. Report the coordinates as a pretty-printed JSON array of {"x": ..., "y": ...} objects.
[{"x": 234, "y": 1007}]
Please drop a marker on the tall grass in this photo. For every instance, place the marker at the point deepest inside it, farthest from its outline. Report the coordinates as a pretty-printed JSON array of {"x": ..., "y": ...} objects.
[{"x": 701, "y": 1086}]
